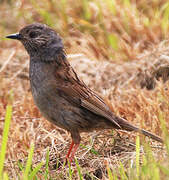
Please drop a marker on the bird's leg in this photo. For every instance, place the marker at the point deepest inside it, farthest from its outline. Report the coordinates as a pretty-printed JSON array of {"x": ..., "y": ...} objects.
[
  {"x": 73, "y": 152},
  {"x": 68, "y": 153},
  {"x": 73, "y": 147},
  {"x": 70, "y": 149}
]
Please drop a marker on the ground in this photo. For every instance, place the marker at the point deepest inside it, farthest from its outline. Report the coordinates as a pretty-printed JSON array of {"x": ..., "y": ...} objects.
[{"x": 123, "y": 58}]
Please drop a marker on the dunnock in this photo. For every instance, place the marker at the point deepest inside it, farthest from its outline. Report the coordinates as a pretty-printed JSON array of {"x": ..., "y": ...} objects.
[{"x": 60, "y": 95}]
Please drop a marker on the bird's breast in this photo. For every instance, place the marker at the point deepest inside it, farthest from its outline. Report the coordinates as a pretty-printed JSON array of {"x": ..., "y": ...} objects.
[{"x": 43, "y": 88}]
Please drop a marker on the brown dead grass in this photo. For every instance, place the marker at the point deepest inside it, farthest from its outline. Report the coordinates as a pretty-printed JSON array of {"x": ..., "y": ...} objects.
[
  {"x": 139, "y": 106},
  {"x": 118, "y": 81}
]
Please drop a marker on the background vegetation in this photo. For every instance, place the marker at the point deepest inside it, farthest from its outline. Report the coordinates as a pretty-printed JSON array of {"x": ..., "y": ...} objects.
[{"x": 120, "y": 49}]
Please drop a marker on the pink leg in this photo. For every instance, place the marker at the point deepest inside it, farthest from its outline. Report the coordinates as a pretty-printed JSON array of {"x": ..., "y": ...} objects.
[
  {"x": 70, "y": 149},
  {"x": 73, "y": 152}
]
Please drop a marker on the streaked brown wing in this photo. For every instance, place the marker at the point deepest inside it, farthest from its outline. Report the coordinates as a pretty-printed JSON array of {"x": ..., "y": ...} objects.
[
  {"x": 76, "y": 89},
  {"x": 97, "y": 105}
]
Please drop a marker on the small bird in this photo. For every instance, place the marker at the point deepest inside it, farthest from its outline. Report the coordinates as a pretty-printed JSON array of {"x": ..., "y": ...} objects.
[{"x": 60, "y": 95}]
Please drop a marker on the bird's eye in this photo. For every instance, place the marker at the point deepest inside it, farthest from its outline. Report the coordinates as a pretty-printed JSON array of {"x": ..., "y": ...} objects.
[{"x": 33, "y": 34}]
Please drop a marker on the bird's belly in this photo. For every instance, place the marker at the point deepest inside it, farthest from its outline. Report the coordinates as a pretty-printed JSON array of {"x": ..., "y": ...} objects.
[{"x": 50, "y": 105}]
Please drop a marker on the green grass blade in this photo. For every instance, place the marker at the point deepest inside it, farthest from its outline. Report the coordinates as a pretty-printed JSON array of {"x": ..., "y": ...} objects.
[
  {"x": 165, "y": 130},
  {"x": 20, "y": 166},
  {"x": 47, "y": 165},
  {"x": 85, "y": 6},
  {"x": 115, "y": 175},
  {"x": 92, "y": 150},
  {"x": 70, "y": 171},
  {"x": 109, "y": 173},
  {"x": 5, "y": 137},
  {"x": 138, "y": 156},
  {"x": 35, "y": 170},
  {"x": 127, "y": 3},
  {"x": 165, "y": 19},
  {"x": 122, "y": 172},
  {"x": 78, "y": 169},
  {"x": 113, "y": 41},
  {"x": 29, "y": 163}
]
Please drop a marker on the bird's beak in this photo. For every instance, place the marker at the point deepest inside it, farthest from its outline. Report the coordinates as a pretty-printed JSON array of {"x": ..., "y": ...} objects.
[{"x": 14, "y": 36}]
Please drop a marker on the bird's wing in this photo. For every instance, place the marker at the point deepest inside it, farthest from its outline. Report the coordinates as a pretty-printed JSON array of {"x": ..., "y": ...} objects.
[
  {"x": 98, "y": 106},
  {"x": 77, "y": 91}
]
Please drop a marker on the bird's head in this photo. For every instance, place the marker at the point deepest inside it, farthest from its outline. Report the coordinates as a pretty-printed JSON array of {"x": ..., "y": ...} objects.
[{"x": 38, "y": 38}]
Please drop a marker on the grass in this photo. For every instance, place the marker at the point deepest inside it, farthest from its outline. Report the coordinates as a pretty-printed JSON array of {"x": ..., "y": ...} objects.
[
  {"x": 5, "y": 138},
  {"x": 138, "y": 157},
  {"x": 28, "y": 172},
  {"x": 150, "y": 168},
  {"x": 118, "y": 47}
]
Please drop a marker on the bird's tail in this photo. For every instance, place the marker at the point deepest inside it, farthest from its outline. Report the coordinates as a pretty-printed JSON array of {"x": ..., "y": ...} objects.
[{"x": 125, "y": 125}]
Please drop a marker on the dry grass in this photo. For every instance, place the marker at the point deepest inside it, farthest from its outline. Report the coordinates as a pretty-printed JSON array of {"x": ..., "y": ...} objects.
[{"x": 130, "y": 40}]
